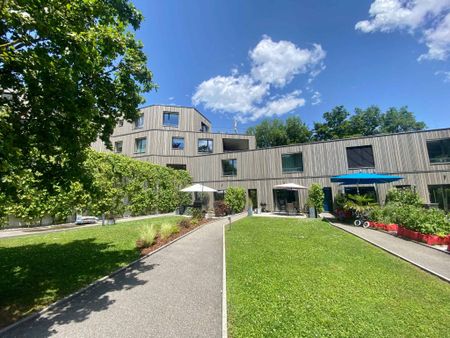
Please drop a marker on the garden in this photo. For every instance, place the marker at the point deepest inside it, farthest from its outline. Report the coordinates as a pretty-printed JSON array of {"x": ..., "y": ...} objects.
[
  {"x": 305, "y": 278},
  {"x": 403, "y": 214},
  {"x": 39, "y": 269}
]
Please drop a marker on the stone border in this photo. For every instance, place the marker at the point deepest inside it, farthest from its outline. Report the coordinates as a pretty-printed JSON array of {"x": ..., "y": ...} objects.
[
  {"x": 93, "y": 284},
  {"x": 424, "y": 268}
]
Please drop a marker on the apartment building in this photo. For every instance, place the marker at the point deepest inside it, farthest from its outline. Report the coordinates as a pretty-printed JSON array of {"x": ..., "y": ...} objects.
[{"x": 182, "y": 138}]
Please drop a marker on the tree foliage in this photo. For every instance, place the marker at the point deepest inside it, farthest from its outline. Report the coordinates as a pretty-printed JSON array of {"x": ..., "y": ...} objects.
[
  {"x": 271, "y": 133},
  {"x": 69, "y": 70},
  {"x": 316, "y": 197},
  {"x": 117, "y": 185},
  {"x": 337, "y": 124},
  {"x": 235, "y": 199}
]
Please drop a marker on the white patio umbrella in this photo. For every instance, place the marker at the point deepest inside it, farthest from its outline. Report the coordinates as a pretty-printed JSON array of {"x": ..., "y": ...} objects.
[
  {"x": 289, "y": 186},
  {"x": 198, "y": 188}
]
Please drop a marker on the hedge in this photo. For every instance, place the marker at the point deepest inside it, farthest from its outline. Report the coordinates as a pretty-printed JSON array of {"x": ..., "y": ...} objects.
[{"x": 115, "y": 185}]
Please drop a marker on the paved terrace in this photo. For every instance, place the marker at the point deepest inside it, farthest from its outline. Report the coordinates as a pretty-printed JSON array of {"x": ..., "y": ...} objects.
[
  {"x": 176, "y": 292},
  {"x": 425, "y": 257}
]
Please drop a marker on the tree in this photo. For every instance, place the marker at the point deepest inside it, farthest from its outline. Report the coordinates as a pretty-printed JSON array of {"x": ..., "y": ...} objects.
[
  {"x": 336, "y": 125},
  {"x": 316, "y": 197},
  {"x": 366, "y": 122},
  {"x": 269, "y": 133},
  {"x": 69, "y": 70},
  {"x": 297, "y": 131},
  {"x": 235, "y": 199},
  {"x": 400, "y": 120}
]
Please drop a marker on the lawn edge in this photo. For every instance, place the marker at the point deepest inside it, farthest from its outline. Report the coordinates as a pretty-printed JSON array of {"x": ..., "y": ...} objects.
[
  {"x": 424, "y": 268},
  {"x": 94, "y": 283},
  {"x": 224, "y": 287}
]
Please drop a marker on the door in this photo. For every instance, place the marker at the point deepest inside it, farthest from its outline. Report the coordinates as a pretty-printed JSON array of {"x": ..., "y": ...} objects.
[
  {"x": 253, "y": 196},
  {"x": 328, "y": 200}
]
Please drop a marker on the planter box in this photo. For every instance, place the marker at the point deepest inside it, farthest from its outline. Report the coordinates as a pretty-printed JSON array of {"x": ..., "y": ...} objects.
[
  {"x": 385, "y": 227},
  {"x": 433, "y": 239},
  {"x": 403, "y": 232}
]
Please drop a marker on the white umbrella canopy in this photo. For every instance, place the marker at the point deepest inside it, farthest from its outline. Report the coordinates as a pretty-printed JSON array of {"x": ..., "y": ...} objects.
[
  {"x": 289, "y": 186},
  {"x": 198, "y": 188}
]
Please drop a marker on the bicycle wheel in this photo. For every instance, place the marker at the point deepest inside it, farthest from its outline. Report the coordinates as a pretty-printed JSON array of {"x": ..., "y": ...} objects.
[
  {"x": 357, "y": 222},
  {"x": 366, "y": 224}
]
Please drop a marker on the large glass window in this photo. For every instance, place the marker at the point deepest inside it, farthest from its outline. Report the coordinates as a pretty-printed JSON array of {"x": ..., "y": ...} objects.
[
  {"x": 360, "y": 157},
  {"x": 170, "y": 119},
  {"x": 440, "y": 194},
  {"x": 292, "y": 162},
  {"x": 118, "y": 147},
  {"x": 205, "y": 145},
  {"x": 176, "y": 166},
  {"x": 229, "y": 167},
  {"x": 204, "y": 128},
  {"x": 439, "y": 150},
  {"x": 140, "y": 145},
  {"x": 178, "y": 143},
  {"x": 139, "y": 122}
]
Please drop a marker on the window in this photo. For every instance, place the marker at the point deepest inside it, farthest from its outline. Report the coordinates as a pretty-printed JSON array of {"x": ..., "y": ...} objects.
[
  {"x": 178, "y": 143},
  {"x": 440, "y": 194},
  {"x": 140, "y": 145},
  {"x": 229, "y": 167},
  {"x": 360, "y": 157},
  {"x": 118, "y": 147},
  {"x": 170, "y": 119},
  {"x": 219, "y": 195},
  {"x": 176, "y": 166},
  {"x": 120, "y": 123},
  {"x": 205, "y": 145},
  {"x": 292, "y": 162},
  {"x": 204, "y": 128},
  {"x": 139, "y": 122},
  {"x": 439, "y": 150},
  {"x": 404, "y": 186}
]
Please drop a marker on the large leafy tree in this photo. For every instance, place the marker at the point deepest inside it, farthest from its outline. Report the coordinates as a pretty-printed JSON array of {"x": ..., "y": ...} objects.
[
  {"x": 297, "y": 131},
  {"x": 400, "y": 120},
  {"x": 269, "y": 133},
  {"x": 336, "y": 125},
  {"x": 69, "y": 70},
  {"x": 365, "y": 122}
]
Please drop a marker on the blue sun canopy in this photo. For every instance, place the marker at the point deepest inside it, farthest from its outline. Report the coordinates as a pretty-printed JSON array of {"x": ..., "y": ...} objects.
[{"x": 364, "y": 178}]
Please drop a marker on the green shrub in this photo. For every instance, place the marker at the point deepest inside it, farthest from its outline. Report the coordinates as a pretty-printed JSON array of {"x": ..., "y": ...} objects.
[
  {"x": 185, "y": 223},
  {"x": 147, "y": 236},
  {"x": 316, "y": 197},
  {"x": 168, "y": 229},
  {"x": 403, "y": 196},
  {"x": 197, "y": 214},
  {"x": 339, "y": 201},
  {"x": 235, "y": 199}
]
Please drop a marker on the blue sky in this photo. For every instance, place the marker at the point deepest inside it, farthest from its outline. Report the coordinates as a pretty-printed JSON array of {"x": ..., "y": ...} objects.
[{"x": 254, "y": 59}]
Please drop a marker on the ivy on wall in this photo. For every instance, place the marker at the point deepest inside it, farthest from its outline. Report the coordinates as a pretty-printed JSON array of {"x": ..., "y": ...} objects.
[{"x": 115, "y": 185}]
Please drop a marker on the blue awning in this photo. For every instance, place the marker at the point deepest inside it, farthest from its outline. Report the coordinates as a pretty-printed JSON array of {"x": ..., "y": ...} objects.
[{"x": 364, "y": 178}]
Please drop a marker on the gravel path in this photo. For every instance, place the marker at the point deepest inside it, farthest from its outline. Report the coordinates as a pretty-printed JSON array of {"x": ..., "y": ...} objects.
[{"x": 176, "y": 292}]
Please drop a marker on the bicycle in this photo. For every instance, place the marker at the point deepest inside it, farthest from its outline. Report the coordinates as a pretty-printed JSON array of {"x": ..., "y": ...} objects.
[{"x": 362, "y": 219}]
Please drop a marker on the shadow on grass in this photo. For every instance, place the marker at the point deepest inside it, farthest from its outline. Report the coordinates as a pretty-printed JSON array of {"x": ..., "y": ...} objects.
[{"x": 36, "y": 275}]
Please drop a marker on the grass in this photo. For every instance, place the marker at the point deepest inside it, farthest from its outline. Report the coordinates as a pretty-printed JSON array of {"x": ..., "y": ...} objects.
[
  {"x": 304, "y": 278},
  {"x": 39, "y": 269}
]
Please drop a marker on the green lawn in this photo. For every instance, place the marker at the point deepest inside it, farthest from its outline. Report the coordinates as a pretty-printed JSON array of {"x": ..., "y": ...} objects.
[
  {"x": 304, "y": 278},
  {"x": 37, "y": 270}
]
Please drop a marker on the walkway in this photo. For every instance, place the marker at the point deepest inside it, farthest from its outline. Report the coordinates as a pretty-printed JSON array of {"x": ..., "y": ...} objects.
[
  {"x": 427, "y": 258},
  {"x": 176, "y": 292},
  {"x": 15, "y": 232}
]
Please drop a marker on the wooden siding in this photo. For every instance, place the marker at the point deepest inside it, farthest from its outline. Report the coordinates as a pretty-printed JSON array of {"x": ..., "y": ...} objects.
[{"x": 403, "y": 154}]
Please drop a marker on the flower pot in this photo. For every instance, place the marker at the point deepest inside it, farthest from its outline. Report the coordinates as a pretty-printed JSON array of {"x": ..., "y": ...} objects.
[{"x": 434, "y": 239}]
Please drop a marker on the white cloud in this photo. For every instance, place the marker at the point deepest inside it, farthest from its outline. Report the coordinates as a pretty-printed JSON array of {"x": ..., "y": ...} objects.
[
  {"x": 427, "y": 18},
  {"x": 273, "y": 66},
  {"x": 316, "y": 98},
  {"x": 171, "y": 98},
  {"x": 277, "y": 107},
  {"x": 230, "y": 93},
  {"x": 444, "y": 74}
]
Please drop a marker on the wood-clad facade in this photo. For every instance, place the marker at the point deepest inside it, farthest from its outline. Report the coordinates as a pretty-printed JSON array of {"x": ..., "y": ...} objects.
[{"x": 403, "y": 154}]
